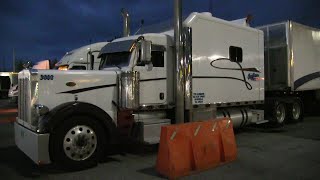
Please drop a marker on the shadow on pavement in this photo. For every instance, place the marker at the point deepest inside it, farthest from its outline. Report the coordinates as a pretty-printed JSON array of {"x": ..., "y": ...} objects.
[
  {"x": 307, "y": 129},
  {"x": 13, "y": 158},
  {"x": 16, "y": 160},
  {"x": 151, "y": 171}
]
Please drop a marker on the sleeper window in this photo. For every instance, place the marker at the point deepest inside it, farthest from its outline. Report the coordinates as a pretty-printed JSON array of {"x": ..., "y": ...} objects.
[{"x": 235, "y": 54}]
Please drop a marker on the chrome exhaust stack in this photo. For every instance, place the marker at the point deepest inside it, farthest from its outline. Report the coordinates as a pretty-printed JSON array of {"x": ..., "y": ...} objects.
[
  {"x": 126, "y": 22},
  {"x": 179, "y": 64}
]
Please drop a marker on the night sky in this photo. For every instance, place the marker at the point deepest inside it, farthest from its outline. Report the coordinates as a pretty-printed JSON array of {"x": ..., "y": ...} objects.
[{"x": 46, "y": 29}]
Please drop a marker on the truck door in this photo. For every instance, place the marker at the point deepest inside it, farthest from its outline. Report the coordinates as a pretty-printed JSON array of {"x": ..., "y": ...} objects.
[{"x": 153, "y": 84}]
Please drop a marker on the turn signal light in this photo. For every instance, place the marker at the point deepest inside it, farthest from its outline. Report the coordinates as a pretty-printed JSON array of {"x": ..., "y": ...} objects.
[{"x": 63, "y": 68}]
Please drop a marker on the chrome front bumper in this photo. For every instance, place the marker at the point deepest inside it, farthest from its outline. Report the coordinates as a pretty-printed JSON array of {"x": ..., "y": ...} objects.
[{"x": 34, "y": 145}]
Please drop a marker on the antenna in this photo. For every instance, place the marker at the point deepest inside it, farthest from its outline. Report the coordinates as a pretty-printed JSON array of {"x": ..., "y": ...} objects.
[
  {"x": 141, "y": 24},
  {"x": 13, "y": 61},
  {"x": 210, "y": 6},
  {"x": 89, "y": 53},
  {"x": 3, "y": 61},
  {"x": 249, "y": 19}
]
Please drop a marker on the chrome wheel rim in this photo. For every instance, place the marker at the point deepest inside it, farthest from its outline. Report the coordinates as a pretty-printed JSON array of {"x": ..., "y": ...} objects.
[
  {"x": 79, "y": 143},
  {"x": 296, "y": 111},
  {"x": 280, "y": 113}
]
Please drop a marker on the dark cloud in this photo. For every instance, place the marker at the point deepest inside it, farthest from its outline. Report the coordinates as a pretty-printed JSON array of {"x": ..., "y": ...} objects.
[{"x": 47, "y": 29}]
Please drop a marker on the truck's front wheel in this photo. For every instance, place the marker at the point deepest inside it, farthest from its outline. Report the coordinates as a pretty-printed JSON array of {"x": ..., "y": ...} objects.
[{"x": 76, "y": 143}]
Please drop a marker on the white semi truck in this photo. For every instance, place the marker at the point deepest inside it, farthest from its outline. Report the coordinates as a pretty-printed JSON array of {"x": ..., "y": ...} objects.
[
  {"x": 83, "y": 58},
  {"x": 72, "y": 117},
  {"x": 203, "y": 69}
]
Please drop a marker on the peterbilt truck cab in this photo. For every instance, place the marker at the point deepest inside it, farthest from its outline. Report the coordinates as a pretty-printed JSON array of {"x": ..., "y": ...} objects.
[
  {"x": 73, "y": 117},
  {"x": 70, "y": 115}
]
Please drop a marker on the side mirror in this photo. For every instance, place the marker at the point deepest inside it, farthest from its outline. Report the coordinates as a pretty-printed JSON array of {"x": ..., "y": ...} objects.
[
  {"x": 27, "y": 65},
  {"x": 145, "y": 47},
  {"x": 91, "y": 61},
  {"x": 145, "y": 56}
]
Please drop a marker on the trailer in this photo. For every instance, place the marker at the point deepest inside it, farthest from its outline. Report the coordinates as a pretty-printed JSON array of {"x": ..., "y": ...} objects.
[
  {"x": 83, "y": 58},
  {"x": 292, "y": 64}
]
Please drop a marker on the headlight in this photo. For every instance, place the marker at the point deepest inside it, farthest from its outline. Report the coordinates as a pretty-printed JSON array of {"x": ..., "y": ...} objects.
[
  {"x": 41, "y": 109},
  {"x": 63, "y": 68}
]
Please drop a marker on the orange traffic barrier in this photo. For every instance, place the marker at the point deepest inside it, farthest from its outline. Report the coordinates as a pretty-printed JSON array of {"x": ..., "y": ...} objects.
[
  {"x": 206, "y": 145},
  {"x": 192, "y": 147},
  {"x": 228, "y": 141},
  {"x": 175, "y": 157}
]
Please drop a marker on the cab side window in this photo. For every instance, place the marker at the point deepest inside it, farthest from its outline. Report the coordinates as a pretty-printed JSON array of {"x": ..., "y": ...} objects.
[{"x": 157, "y": 59}]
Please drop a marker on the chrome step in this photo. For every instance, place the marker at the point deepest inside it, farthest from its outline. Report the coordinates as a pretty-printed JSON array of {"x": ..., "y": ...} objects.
[
  {"x": 154, "y": 121},
  {"x": 261, "y": 122},
  {"x": 152, "y": 129}
]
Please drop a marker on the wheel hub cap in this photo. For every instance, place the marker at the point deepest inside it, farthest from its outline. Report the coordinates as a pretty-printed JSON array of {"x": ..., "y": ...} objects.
[
  {"x": 280, "y": 113},
  {"x": 79, "y": 143},
  {"x": 296, "y": 111}
]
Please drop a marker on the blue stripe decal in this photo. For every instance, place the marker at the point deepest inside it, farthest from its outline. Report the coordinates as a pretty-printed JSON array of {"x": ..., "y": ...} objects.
[{"x": 301, "y": 81}]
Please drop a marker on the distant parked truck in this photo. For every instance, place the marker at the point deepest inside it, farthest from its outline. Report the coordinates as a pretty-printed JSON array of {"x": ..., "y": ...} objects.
[
  {"x": 83, "y": 58},
  {"x": 292, "y": 69},
  {"x": 14, "y": 91},
  {"x": 7, "y": 80},
  {"x": 44, "y": 64}
]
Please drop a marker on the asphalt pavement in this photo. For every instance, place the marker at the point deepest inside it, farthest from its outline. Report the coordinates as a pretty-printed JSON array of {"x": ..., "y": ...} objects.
[{"x": 291, "y": 152}]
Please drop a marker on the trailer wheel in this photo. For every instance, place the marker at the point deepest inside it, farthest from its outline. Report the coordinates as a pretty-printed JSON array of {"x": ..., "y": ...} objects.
[
  {"x": 76, "y": 143},
  {"x": 295, "y": 111},
  {"x": 279, "y": 113}
]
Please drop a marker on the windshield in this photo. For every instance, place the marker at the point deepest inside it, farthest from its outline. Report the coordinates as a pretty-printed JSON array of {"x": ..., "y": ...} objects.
[{"x": 118, "y": 59}]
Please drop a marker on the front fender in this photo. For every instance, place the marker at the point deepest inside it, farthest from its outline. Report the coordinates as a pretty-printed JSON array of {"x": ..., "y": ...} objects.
[{"x": 63, "y": 112}]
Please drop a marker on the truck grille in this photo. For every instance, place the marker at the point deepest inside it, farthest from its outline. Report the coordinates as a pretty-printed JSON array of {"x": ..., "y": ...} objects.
[{"x": 24, "y": 99}]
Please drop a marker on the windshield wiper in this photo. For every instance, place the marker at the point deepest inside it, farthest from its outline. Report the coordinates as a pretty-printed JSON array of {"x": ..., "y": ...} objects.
[{"x": 116, "y": 66}]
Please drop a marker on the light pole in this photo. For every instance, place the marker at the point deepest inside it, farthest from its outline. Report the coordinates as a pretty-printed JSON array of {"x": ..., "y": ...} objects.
[{"x": 13, "y": 61}]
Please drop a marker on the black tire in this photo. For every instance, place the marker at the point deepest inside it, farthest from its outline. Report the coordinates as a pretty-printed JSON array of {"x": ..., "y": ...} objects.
[
  {"x": 279, "y": 113},
  {"x": 59, "y": 152},
  {"x": 296, "y": 110}
]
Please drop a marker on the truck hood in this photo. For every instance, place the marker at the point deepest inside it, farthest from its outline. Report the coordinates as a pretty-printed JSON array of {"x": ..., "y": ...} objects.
[{"x": 76, "y": 81}]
